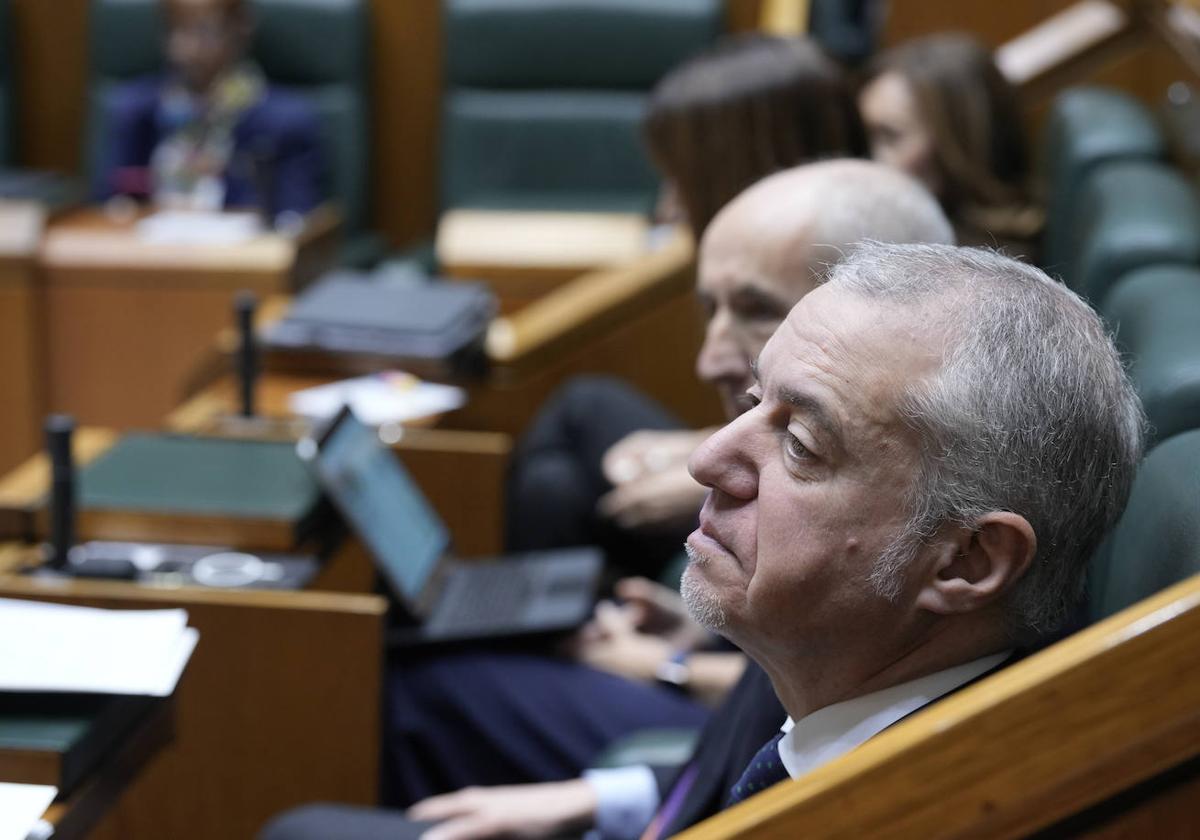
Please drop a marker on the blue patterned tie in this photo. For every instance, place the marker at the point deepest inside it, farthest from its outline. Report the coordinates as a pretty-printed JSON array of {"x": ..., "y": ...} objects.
[{"x": 765, "y": 770}]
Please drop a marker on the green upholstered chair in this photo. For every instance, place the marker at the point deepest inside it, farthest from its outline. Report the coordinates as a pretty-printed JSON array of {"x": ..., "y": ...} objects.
[
  {"x": 1132, "y": 214},
  {"x": 1087, "y": 127},
  {"x": 315, "y": 47},
  {"x": 1157, "y": 541},
  {"x": 1155, "y": 313},
  {"x": 543, "y": 98}
]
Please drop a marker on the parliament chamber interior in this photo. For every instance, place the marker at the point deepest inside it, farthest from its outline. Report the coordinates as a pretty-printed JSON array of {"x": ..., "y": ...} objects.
[{"x": 476, "y": 419}]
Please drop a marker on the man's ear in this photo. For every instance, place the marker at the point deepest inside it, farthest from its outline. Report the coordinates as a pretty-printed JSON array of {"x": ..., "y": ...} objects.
[{"x": 975, "y": 570}]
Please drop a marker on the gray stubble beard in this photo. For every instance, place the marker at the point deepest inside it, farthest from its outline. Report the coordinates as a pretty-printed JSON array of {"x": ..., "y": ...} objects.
[{"x": 698, "y": 597}]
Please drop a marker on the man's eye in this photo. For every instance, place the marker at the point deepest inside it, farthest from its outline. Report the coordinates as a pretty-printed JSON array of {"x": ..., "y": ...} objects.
[
  {"x": 747, "y": 401},
  {"x": 796, "y": 450}
]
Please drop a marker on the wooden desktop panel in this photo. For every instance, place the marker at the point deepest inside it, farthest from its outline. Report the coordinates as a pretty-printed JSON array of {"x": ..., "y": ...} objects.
[
  {"x": 20, "y": 386},
  {"x": 279, "y": 706}
]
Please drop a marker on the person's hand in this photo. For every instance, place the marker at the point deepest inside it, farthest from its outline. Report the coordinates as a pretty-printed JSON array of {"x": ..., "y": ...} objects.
[
  {"x": 660, "y": 499},
  {"x": 611, "y": 642},
  {"x": 508, "y": 811},
  {"x": 660, "y": 611},
  {"x": 648, "y": 452}
]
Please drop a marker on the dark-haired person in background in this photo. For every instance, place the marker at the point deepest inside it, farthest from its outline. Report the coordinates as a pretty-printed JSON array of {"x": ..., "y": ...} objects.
[
  {"x": 212, "y": 133},
  {"x": 938, "y": 108}
]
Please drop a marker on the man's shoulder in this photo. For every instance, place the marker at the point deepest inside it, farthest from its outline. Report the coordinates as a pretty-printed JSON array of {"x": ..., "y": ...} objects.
[
  {"x": 137, "y": 95},
  {"x": 285, "y": 112}
]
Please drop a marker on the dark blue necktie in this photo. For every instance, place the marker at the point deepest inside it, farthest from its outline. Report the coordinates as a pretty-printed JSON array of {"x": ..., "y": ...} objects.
[{"x": 765, "y": 770}]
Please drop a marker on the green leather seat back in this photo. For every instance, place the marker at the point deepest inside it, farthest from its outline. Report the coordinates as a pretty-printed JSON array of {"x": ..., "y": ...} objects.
[
  {"x": 544, "y": 98},
  {"x": 1157, "y": 541},
  {"x": 1155, "y": 313},
  {"x": 314, "y": 47},
  {"x": 1087, "y": 127},
  {"x": 1132, "y": 214}
]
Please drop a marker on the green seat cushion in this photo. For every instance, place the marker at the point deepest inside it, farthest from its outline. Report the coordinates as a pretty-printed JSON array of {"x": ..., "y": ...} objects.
[
  {"x": 1087, "y": 127},
  {"x": 1155, "y": 313},
  {"x": 1157, "y": 541},
  {"x": 1134, "y": 214}
]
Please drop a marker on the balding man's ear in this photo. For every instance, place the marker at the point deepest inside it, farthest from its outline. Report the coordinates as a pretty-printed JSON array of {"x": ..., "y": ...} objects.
[{"x": 978, "y": 569}]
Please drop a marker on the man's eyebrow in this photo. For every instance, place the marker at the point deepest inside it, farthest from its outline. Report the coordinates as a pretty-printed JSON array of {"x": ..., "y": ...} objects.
[{"x": 826, "y": 422}]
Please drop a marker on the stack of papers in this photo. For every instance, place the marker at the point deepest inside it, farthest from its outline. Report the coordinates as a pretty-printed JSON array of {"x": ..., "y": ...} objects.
[
  {"x": 185, "y": 227},
  {"x": 50, "y": 647},
  {"x": 387, "y": 397},
  {"x": 21, "y": 807}
]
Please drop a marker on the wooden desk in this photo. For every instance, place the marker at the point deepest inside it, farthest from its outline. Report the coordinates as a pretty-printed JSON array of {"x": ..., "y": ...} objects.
[
  {"x": 21, "y": 227},
  {"x": 279, "y": 706},
  {"x": 524, "y": 255},
  {"x": 127, "y": 321}
]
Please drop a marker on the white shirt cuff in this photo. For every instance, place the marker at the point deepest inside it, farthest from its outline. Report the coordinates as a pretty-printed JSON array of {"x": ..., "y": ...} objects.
[{"x": 626, "y": 800}]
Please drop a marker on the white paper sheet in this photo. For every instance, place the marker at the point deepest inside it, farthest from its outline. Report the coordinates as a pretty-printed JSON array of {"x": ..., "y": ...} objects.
[
  {"x": 50, "y": 647},
  {"x": 188, "y": 227},
  {"x": 386, "y": 397},
  {"x": 21, "y": 806}
]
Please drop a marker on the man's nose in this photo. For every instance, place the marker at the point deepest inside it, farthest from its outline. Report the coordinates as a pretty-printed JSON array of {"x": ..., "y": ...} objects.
[
  {"x": 721, "y": 357},
  {"x": 725, "y": 461}
]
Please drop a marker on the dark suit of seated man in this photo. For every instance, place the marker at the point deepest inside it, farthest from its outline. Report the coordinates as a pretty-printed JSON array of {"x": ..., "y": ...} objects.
[
  {"x": 938, "y": 440},
  {"x": 212, "y": 134}
]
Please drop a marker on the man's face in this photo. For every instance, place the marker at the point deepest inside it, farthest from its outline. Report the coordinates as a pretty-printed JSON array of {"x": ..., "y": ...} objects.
[
  {"x": 810, "y": 485},
  {"x": 204, "y": 39},
  {"x": 748, "y": 280}
]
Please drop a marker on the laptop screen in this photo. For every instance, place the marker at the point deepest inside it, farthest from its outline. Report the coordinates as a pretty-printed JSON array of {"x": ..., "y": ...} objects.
[{"x": 382, "y": 504}]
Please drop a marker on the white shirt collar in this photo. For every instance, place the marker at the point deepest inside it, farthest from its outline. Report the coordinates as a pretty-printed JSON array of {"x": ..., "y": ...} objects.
[{"x": 829, "y": 732}]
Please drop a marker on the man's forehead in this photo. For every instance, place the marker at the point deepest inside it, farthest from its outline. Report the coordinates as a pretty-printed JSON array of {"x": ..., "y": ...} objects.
[{"x": 861, "y": 352}]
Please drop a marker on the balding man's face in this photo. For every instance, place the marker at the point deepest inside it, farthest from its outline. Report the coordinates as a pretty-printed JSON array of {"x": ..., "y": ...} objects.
[{"x": 748, "y": 281}]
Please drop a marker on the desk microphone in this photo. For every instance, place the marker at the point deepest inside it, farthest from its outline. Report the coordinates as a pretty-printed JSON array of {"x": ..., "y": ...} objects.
[
  {"x": 247, "y": 358},
  {"x": 59, "y": 428}
]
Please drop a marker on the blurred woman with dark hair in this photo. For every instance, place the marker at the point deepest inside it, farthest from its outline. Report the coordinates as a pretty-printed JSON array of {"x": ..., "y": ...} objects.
[
  {"x": 939, "y": 109},
  {"x": 751, "y": 106}
]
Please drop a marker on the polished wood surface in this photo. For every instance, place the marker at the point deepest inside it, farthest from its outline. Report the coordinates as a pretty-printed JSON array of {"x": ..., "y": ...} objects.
[
  {"x": 593, "y": 303},
  {"x": 1046, "y": 738},
  {"x": 21, "y": 391},
  {"x": 279, "y": 706},
  {"x": 523, "y": 255},
  {"x": 127, "y": 322}
]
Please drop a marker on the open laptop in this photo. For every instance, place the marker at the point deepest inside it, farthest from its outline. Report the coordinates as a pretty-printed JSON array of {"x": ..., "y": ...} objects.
[{"x": 527, "y": 595}]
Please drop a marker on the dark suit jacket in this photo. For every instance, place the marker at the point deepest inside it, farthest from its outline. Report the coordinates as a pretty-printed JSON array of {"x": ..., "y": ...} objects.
[
  {"x": 750, "y": 716},
  {"x": 276, "y": 142}
]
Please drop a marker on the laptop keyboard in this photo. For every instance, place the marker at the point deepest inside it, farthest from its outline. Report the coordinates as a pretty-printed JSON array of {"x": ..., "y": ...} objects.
[{"x": 490, "y": 594}]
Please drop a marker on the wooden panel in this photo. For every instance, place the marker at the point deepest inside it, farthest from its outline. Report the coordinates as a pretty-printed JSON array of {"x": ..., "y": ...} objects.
[
  {"x": 127, "y": 323},
  {"x": 50, "y": 51},
  {"x": 406, "y": 87},
  {"x": 21, "y": 393},
  {"x": 1056, "y": 733},
  {"x": 279, "y": 706}
]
